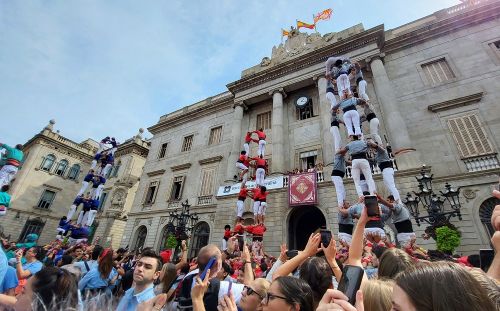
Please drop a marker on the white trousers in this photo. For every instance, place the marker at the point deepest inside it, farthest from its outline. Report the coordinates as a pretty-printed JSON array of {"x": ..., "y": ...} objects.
[
  {"x": 106, "y": 169},
  {"x": 362, "y": 90},
  {"x": 240, "y": 205},
  {"x": 80, "y": 218},
  {"x": 256, "y": 207},
  {"x": 388, "y": 175},
  {"x": 374, "y": 130},
  {"x": 241, "y": 166},
  {"x": 262, "y": 208},
  {"x": 262, "y": 148},
  {"x": 246, "y": 147},
  {"x": 337, "y": 140},
  {"x": 90, "y": 218},
  {"x": 331, "y": 98},
  {"x": 351, "y": 118},
  {"x": 93, "y": 164},
  {"x": 260, "y": 175},
  {"x": 362, "y": 166},
  {"x": 85, "y": 184},
  {"x": 6, "y": 174},
  {"x": 98, "y": 192},
  {"x": 71, "y": 212},
  {"x": 76, "y": 241},
  {"x": 339, "y": 189},
  {"x": 343, "y": 84}
]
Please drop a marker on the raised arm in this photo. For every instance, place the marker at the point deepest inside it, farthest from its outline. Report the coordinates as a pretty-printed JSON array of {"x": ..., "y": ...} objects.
[
  {"x": 311, "y": 249},
  {"x": 385, "y": 202},
  {"x": 184, "y": 258},
  {"x": 248, "y": 275}
]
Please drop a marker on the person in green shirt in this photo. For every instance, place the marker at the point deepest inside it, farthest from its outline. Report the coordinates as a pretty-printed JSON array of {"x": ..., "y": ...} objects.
[
  {"x": 4, "y": 200},
  {"x": 14, "y": 157}
]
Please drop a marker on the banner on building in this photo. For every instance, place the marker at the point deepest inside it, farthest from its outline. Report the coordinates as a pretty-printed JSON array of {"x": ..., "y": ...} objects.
[
  {"x": 270, "y": 183},
  {"x": 302, "y": 189}
]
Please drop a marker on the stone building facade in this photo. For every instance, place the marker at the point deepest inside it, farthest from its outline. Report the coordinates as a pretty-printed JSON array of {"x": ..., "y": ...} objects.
[
  {"x": 434, "y": 85},
  {"x": 51, "y": 175}
]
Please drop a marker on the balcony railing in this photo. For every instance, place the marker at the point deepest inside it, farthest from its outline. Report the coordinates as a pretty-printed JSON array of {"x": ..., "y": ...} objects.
[
  {"x": 482, "y": 163},
  {"x": 205, "y": 200},
  {"x": 173, "y": 204}
]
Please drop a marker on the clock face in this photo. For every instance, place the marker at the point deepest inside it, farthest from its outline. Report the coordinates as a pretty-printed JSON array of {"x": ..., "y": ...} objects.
[{"x": 302, "y": 101}]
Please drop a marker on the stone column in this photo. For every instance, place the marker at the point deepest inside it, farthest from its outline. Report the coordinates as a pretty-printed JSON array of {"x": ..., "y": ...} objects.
[
  {"x": 392, "y": 118},
  {"x": 324, "y": 112},
  {"x": 278, "y": 164},
  {"x": 236, "y": 139}
]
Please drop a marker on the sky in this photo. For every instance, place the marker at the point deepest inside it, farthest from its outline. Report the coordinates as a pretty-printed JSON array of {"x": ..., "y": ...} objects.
[{"x": 108, "y": 68}]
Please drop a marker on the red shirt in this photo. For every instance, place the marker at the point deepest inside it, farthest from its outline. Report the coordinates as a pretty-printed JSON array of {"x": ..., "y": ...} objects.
[
  {"x": 259, "y": 230},
  {"x": 262, "y": 135},
  {"x": 239, "y": 229},
  {"x": 260, "y": 162},
  {"x": 256, "y": 194},
  {"x": 263, "y": 196},
  {"x": 227, "y": 233},
  {"x": 244, "y": 159},
  {"x": 243, "y": 193},
  {"x": 249, "y": 228},
  {"x": 165, "y": 255},
  {"x": 248, "y": 137}
]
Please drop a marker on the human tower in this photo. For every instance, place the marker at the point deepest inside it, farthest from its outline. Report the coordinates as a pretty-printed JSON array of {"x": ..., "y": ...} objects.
[{"x": 344, "y": 77}]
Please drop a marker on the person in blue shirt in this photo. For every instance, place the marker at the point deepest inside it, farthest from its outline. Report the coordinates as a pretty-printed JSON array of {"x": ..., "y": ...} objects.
[
  {"x": 86, "y": 266},
  {"x": 14, "y": 159},
  {"x": 4, "y": 199},
  {"x": 107, "y": 163},
  {"x": 87, "y": 204},
  {"x": 10, "y": 282},
  {"x": 63, "y": 227},
  {"x": 34, "y": 257},
  {"x": 97, "y": 186},
  {"x": 101, "y": 278},
  {"x": 147, "y": 270},
  {"x": 79, "y": 234},
  {"x": 89, "y": 217}
]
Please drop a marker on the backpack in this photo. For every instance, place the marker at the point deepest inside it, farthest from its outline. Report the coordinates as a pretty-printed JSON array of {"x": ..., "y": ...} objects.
[{"x": 210, "y": 299}]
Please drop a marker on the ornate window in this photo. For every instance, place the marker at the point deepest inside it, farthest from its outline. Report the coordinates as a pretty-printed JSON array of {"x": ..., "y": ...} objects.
[
  {"x": 215, "y": 135},
  {"x": 485, "y": 212},
  {"x": 469, "y": 136},
  {"x": 32, "y": 226},
  {"x": 187, "y": 143},
  {"x": 140, "y": 237},
  {"x": 264, "y": 120},
  {"x": 163, "y": 151},
  {"x": 151, "y": 192},
  {"x": 48, "y": 162},
  {"x": 115, "y": 169},
  {"x": 177, "y": 187},
  {"x": 46, "y": 199},
  {"x": 437, "y": 71},
  {"x": 61, "y": 167},
  {"x": 74, "y": 172},
  {"x": 201, "y": 234}
]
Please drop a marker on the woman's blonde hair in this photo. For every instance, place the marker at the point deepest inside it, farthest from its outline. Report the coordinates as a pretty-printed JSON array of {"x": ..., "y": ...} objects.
[
  {"x": 377, "y": 295},
  {"x": 261, "y": 286}
]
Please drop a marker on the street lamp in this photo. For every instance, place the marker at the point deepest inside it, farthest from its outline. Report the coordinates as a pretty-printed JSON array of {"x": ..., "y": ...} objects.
[
  {"x": 181, "y": 223},
  {"x": 433, "y": 203}
]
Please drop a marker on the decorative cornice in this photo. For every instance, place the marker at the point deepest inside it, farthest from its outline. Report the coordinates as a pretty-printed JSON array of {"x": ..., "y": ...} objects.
[
  {"x": 456, "y": 102},
  {"x": 210, "y": 160},
  {"x": 132, "y": 147},
  {"x": 184, "y": 166},
  {"x": 155, "y": 173},
  {"x": 373, "y": 35},
  {"x": 477, "y": 14},
  {"x": 62, "y": 143},
  {"x": 189, "y": 113},
  {"x": 52, "y": 187}
]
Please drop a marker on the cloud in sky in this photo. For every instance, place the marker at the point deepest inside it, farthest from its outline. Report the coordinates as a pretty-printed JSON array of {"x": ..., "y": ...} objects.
[{"x": 110, "y": 67}]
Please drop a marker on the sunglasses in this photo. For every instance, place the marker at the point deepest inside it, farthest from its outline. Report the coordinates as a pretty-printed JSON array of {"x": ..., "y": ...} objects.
[{"x": 251, "y": 291}]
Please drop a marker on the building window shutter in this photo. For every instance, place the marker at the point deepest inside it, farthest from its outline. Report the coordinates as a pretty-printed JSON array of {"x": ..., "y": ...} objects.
[{"x": 469, "y": 136}]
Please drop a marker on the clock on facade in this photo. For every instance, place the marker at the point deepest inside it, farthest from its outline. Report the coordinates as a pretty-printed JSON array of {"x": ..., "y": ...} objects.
[{"x": 302, "y": 101}]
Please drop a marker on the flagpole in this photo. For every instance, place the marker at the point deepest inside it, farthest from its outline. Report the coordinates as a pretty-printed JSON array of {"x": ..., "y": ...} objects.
[{"x": 314, "y": 25}]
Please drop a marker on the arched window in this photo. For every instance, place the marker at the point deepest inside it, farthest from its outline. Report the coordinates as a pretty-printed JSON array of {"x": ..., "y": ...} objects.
[
  {"x": 167, "y": 230},
  {"x": 201, "y": 234},
  {"x": 140, "y": 238},
  {"x": 74, "y": 172},
  {"x": 48, "y": 162},
  {"x": 485, "y": 212},
  {"x": 61, "y": 167}
]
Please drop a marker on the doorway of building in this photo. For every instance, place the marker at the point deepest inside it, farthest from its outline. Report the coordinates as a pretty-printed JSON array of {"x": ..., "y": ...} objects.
[{"x": 303, "y": 221}]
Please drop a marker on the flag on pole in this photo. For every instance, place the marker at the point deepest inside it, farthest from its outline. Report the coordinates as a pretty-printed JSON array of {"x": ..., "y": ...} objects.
[
  {"x": 301, "y": 24},
  {"x": 284, "y": 32},
  {"x": 324, "y": 15}
]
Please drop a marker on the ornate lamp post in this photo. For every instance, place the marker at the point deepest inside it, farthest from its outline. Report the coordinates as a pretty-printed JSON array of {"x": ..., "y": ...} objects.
[
  {"x": 433, "y": 203},
  {"x": 181, "y": 223}
]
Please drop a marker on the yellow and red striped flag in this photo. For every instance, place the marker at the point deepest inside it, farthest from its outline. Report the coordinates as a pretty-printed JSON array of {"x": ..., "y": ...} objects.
[
  {"x": 301, "y": 24},
  {"x": 324, "y": 15},
  {"x": 284, "y": 32}
]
